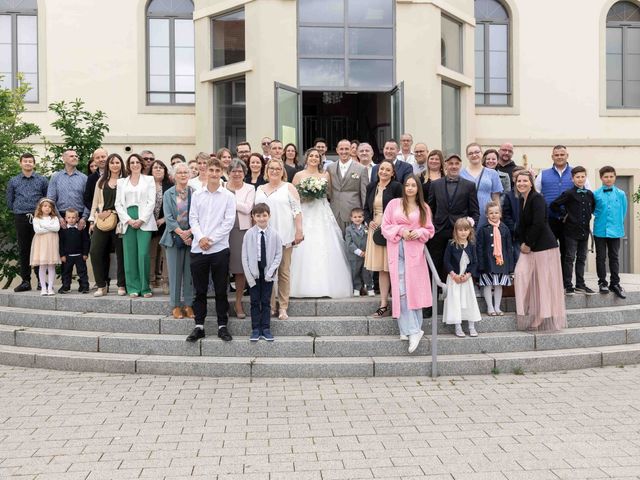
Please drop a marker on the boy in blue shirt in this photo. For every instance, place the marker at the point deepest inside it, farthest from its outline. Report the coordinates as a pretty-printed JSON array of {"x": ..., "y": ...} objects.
[{"x": 608, "y": 229}]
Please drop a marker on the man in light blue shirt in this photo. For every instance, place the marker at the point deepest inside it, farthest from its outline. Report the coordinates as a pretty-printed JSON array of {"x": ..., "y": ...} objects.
[{"x": 212, "y": 215}]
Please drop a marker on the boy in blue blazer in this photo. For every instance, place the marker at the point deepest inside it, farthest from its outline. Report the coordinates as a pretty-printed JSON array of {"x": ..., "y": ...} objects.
[
  {"x": 608, "y": 229},
  {"x": 261, "y": 257}
]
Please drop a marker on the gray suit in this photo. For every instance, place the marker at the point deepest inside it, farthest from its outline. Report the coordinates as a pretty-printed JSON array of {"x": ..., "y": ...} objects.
[{"x": 347, "y": 193}]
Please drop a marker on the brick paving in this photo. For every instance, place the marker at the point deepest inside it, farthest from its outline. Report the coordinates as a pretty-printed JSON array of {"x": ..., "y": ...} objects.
[{"x": 566, "y": 425}]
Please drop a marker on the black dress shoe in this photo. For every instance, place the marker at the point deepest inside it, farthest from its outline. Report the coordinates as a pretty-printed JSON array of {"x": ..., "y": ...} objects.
[
  {"x": 224, "y": 334},
  {"x": 64, "y": 290},
  {"x": 618, "y": 291},
  {"x": 603, "y": 289},
  {"x": 196, "y": 334},
  {"x": 23, "y": 287},
  {"x": 83, "y": 290}
]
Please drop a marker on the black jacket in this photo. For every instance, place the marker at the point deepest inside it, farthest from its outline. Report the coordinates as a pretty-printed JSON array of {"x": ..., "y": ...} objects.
[
  {"x": 578, "y": 208},
  {"x": 74, "y": 241},
  {"x": 90, "y": 188},
  {"x": 484, "y": 250},
  {"x": 393, "y": 190},
  {"x": 401, "y": 168},
  {"x": 511, "y": 213},
  {"x": 533, "y": 229},
  {"x": 453, "y": 254},
  {"x": 446, "y": 210}
]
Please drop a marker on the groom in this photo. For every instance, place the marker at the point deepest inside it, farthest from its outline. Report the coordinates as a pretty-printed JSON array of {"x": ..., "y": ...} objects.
[{"x": 348, "y": 185}]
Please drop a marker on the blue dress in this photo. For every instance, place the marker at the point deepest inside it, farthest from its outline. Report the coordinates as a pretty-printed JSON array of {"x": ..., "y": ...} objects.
[{"x": 487, "y": 182}]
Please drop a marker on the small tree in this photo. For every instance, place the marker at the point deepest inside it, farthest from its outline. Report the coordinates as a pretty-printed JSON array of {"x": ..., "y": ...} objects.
[
  {"x": 13, "y": 135},
  {"x": 81, "y": 130}
]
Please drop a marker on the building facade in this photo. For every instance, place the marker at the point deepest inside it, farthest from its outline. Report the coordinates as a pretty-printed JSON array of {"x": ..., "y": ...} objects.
[{"x": 184, "y": 76}]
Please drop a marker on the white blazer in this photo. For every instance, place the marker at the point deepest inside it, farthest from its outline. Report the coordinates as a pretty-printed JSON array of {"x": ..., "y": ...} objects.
[{"x": 142, "y": 195}]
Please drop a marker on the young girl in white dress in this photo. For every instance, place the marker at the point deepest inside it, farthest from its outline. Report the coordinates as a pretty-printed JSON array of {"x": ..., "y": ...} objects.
[
  {"x": 460, "y": 263},
  {"x": 45, "y": 250},
  {"x": 319, "y": 266}
]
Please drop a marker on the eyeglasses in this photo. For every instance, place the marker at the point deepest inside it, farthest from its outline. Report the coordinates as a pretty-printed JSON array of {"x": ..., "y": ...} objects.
[
  {"x": 134, "y": 162},
  {"x": 266, "y": 143},
  {"x": 475, "y": 152},
  {"x": 275, "y": 169},
  {"x": 419, "y": 151},
  {"x": 238, "y": 171},
  {"x": 148, "y": 159}
]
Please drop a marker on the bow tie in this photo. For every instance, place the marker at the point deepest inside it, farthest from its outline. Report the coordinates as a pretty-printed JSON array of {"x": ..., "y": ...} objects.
[
  {"x": 581, "y": 190},
  {"x": 452, "y": 180},
  {"x": 607, "y": 189},
  {"x": 72, "y": 226}
]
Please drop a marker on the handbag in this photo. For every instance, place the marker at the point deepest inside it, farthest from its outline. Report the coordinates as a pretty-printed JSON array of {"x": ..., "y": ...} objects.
[
  {"x": 378, "y": 238},
  {"x": 107, "y": 224}
]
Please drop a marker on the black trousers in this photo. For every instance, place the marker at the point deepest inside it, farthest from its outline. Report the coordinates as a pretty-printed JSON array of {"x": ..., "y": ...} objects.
[
  {"x": 102, "y": 244},
  {"x": 81, "y": 270},
  {"x": 436, "y": 246},
  {"x": 216, "y": 267},
  {"x": 575, "y": 251},
  {"x": 24, "y": 237},
  {"x": 557, "y": 227},
  {"x": 260, "y": 295},
  {"x": 607, "y": 247}
]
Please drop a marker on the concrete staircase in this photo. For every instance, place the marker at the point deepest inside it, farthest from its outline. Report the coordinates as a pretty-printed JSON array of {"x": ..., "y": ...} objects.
[{"x": 323, "y": 338}]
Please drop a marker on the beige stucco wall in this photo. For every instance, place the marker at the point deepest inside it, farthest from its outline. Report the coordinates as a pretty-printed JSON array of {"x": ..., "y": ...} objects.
[{"x": 95, "y": 51}]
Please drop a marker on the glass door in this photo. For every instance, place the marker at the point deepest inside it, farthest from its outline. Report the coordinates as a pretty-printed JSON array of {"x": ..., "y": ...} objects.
[
  {"x": 288, "y": 114},
  {"x": 397, "y": 111}
]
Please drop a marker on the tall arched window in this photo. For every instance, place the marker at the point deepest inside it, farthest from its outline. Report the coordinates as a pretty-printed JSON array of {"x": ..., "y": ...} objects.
[
  {"x": 170, "y": 52},
  {"x": 19, "y": 44},
  {"x": 623, "y": 55},
  {"x": 492, "y": 54}
]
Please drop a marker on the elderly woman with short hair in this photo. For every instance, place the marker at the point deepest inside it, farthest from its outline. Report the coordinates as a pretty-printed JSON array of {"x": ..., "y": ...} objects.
[
  {"x": 245, "y": 196},
  {"x": 176, "y": 241}
]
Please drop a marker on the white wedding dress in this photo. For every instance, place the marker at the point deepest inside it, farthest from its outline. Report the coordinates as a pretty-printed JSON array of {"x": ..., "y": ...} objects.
[{"x": 319, "y": 266}]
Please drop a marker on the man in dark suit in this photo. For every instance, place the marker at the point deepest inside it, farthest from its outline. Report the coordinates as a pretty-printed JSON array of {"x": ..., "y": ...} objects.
[
  {"x": 450, "y": 198},
  {"x": 402, "y": 168}
]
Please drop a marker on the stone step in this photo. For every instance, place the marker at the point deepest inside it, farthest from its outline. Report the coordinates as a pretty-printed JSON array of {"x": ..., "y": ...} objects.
[
  {"x": 309, "y": 346},
  {"x": 383, "y": 366},
  {"x": 323, "y": 307},
  {"x": 294, "y": 326}
]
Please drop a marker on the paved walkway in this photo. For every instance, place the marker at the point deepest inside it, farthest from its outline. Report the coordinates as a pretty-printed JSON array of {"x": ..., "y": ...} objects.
[{"x": 572, "y": 425}]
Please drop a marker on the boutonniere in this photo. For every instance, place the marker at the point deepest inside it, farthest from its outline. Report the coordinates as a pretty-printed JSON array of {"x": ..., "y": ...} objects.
[{"x": 355, "y": 176}]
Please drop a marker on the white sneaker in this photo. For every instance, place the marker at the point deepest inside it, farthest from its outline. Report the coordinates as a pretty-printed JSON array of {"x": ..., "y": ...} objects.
[
  {"x": 459, "y": 332},
  {"x": 356, "y": 293},
  {"x": 472, "y": 329},
  {"x": 371, "y": 293},
  {"x": 404, "y": 337},
  {"x": 44, "y": 292},
  {"x": 414, "y": 341}
]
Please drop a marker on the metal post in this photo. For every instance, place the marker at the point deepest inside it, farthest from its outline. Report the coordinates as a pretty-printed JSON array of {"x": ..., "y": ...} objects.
[{"x": 436, "y": 282}]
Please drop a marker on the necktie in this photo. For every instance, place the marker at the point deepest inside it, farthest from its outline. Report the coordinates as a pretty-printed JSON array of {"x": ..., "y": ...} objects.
[
  {"x": 582, "y": 190},
  {"x": 263, "y": 252},
  {"x": 607, "y": 189}
]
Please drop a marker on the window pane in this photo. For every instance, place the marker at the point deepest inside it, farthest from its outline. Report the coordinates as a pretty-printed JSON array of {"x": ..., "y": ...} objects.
[
  {"x": 184, "y": 33},
  {"x": 479, "y": 37},
  {"x": 498, "y": 64},
  {"x": 498, "y": 85},
  {"x": 5, "y": 60},
  {"x": 185, "y": 63},
  {"x": 479, "y": 99},
  {"x": 158, "y": 33},
  {"x": 185, "y": 83},
  {"x": 450, "y": 119},
  {"x": 498, "y": 99},
  {"x": 324, "y": 11},
  {"x": 287, "y": 124},
  {"x": 27, "y": 29},
  {"x": 159, "y": 61},
  {"x": 633, "y": 40},
  {"x": 228, "y": 39},
  {"x": 321, "y": 41},
  {"x": 159, "y": 83},
  {"x": 5, "y": 79},
  {"x": 5, "y": 29},
  {"x": 632, "y": 67},
  {"x": 498, "y": 38},
  {"x": 479, "y": 84},
  {"x": 32, "y": 80},
  {"x": 614, "y": 67},
  {"x": 321, "y": 73},
  {"x": 371, "y": 73},
  {"x": 370, "y": 12},
  {"x": 27, "y": 58},
  {"x": 371, "y": 41},
  {"x": 479, "y": 58},
  {"x": 188, "y": 98},
  {"x": 229, "y": 119},
  {"x": 490, "y": 10},
  {"x": 452, "y": 44},
  {"x": 614, "y": 93},
  {"x": 624, "y": 12},
  {"x": 614, "y": 40},
  {"x": 632, "y": 94},
  {"x": 159, "y": 98},
  {"x": 171, "y": 8}
]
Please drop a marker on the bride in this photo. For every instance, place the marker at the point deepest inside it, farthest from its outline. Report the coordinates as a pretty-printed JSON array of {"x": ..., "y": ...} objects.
[{"x": 319, "y": 266}]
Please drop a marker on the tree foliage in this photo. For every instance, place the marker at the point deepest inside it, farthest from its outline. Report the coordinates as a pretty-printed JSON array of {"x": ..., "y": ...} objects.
[
  {"x": 14, "y": 134},
  {"x": 80, "y": 129}
]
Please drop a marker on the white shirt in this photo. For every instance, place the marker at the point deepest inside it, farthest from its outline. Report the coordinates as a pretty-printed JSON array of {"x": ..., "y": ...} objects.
[
  {"x": 418, "y": 169},
  {"x": 212, "y": 215},
  {"x": 196, "y": 184},
  {"x": 344, "y": 167},
  {"x": 142, "y": 195},
  {"x": 410, "y": 158},
  {"x": 368, "y": 169}
]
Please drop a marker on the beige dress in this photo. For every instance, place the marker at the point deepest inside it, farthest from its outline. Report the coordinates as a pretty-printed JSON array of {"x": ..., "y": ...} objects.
[{"x": 375, "y": 258}]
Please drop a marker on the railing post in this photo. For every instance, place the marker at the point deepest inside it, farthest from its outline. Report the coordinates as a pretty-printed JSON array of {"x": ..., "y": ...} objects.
[{"x": 435, "y": 283}]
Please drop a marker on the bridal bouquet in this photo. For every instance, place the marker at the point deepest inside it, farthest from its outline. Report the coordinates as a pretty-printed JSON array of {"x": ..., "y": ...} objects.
[{"x": 312, "y": 188}]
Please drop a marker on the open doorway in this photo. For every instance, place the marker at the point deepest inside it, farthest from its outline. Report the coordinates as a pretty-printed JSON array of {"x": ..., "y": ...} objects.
[{"x": 362, "y": 116}]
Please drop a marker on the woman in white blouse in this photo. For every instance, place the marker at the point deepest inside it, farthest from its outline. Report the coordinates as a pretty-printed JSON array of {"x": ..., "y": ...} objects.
[
  {"x": 135, "y": 199},
  {"x": 286, "y": 219}
]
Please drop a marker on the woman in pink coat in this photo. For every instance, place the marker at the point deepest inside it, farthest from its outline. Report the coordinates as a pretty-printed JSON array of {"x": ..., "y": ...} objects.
[{"x": 407, "y": 226}]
